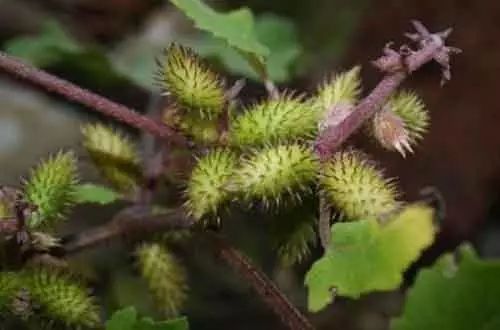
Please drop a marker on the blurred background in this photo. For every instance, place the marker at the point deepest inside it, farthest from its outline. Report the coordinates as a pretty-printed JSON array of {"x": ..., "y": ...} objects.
[{"x": 110, "y": 46}]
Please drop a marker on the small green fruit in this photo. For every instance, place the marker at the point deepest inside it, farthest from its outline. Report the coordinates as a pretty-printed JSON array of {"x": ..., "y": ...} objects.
[
  {"x": 191, "y": 83},
  {"x": 206, "y": 190},
  {"x": 285, "y": 119},
  {"x": 50, "y": 188},
  {"x": 165, "y": 276},
  {"x": 357, "y": 188},
  {"x": 61, "y": 297},
  {"x": 114, "y": 156},
  {"x": 276, "y": 171},
  {"x": 343, "y": 88}
]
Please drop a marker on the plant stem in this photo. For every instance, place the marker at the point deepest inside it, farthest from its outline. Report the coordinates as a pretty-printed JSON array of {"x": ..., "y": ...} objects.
[
  {"x": 263, "y": 286},
  {"x": 398, "y": 67},
  {"x": 72, "y": 92},
  {"x": 133, "y": 222}
]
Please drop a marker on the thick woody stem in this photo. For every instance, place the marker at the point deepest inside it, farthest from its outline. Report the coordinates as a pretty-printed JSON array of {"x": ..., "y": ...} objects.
[{"x": 87, "y": 98}]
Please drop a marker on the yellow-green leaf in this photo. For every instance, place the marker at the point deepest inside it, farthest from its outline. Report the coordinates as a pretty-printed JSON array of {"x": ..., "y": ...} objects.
[{"x": 366, "y": 256}]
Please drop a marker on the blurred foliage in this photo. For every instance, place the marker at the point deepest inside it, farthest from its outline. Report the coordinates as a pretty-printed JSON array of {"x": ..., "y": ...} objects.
[
  {"x": 52, "y": 46},
  {"x": 277, "y": 33},
  {"x": 127, "y": 319},
  {"x": 454, "y": 295}
]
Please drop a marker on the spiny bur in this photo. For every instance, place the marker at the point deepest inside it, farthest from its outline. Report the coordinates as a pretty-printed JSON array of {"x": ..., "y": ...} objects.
[
  {"x": 50, "y": 188},
  {"x": 356, "y": 188},
  {"x": 61, "y": 297},
  {"x": 339, "y": 89},
  {"x": 274, "y": 172},
  {"x": 114, "y": 155},
  {"x": 294, "y": 241},
  {"x": 194, "y": 87},
  {"x": 206, "y": 190},
  {"x": 401, "y": 123},
  {"x": 284, "y": 119},
  {"x": 201, "y": 130},
  {"x": 164, "y": 275}
]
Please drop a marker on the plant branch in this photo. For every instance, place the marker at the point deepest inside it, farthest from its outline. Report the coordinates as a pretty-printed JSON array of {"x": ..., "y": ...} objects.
[
  {"x": 397, "y": 65},
  {"x": 263, "y": 286},
  {"x": 133, "y": 222},
  {"x": 138, "y": 221},
  {"x": 72, "y": 92}
]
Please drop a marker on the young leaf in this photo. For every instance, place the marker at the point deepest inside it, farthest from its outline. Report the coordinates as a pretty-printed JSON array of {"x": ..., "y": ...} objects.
[
  {"x": 454, "y": 296},
  {"x": 235, "y": 27},
  {"x": 93, "y": 193},
  {"x": 126, "y": 319},
  {"x": 366, "y": 256},
  {"x": 171, "y": 324}
]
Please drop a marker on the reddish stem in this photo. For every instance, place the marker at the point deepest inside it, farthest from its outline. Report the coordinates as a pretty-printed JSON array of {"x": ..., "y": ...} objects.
[{"x": 85, "y": 97}]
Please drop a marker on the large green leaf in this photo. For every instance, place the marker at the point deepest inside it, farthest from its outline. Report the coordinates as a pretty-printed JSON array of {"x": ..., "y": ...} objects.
[
  {"x": 366, "y": 256},
  {"x": 448, "y": 295},
  {"x": 235, "y": 27},
  {"x": 126, "y": 319},
  {"x": 278, "y": 34}
]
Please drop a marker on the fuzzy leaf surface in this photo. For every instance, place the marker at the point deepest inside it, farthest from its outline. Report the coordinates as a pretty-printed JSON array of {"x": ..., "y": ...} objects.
[
  {"x": 366, "y": 256},
  {"x": 454, "y": 296}
]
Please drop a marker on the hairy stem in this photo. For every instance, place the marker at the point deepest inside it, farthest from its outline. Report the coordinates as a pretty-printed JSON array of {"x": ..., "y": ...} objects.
[
  {"x": 133, "y": 222},
  {"x": 263, "y": 286},
  {"x": 95, "y": 102},
  {"x": 331, "y": 138}
]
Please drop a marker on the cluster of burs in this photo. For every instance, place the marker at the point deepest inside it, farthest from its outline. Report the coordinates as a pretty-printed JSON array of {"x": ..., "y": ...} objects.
[
  {"x": 261, "y": 154},
  {"x": 266, "y": 154}
]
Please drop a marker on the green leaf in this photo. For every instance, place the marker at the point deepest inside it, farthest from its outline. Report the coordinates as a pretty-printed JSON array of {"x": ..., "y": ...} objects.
[
  {"x": 44, "y": 48},
  {"x": 454, "y": 296},
  {"x": 52, "y": 46},
  {"x": 366, "y": 256},
  {"x": 92, "y": 193},
  {"x": 235, "y": 27},
  {"x": 174, "y": 324},
  {"x": 126, "y": 319},
  {"x": 278, "y": 34}
]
